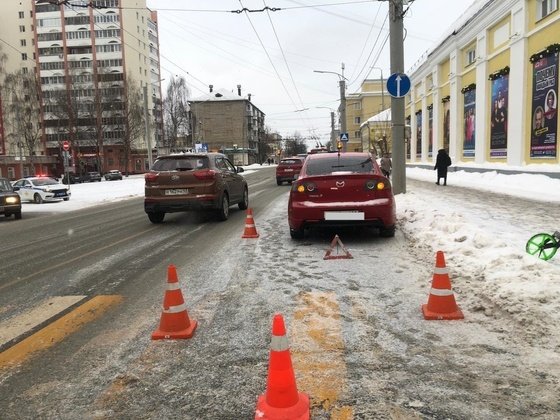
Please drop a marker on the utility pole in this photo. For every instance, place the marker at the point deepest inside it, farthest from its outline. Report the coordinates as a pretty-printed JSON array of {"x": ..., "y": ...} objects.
[
  {"x": 333, "y": 140},
  {"x": 343, "y": 107},
  {"x": 397, "y": 104},
  {"x": 147, "y": 127}
]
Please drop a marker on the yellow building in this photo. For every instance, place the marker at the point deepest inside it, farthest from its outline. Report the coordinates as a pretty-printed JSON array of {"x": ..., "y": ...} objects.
[
  {"x": 489, "y": 91},
  {"x": 371, "y": 99}
]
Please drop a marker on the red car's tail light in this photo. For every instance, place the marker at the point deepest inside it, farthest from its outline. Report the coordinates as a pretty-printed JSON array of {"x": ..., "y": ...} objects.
[
  {"x": 376, "y": 185},
  {"x": 205, "y": 174},
  {"x": 305, "y": 187},
  {"x": 151, "y": 176}
]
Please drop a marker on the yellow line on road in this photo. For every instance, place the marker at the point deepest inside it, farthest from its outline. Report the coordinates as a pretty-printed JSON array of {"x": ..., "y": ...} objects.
[
  {"x": 58, "y": 330},
  {"x": 70, "y": 260},
  {"x": 318, "y": 352}
]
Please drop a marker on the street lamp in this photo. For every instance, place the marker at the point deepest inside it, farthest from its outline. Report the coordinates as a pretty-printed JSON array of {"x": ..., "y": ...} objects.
[
  {"x": 147, "y": 122},
  {"x": 342, "y": 84},
  {"x": 333, "y": 140}
]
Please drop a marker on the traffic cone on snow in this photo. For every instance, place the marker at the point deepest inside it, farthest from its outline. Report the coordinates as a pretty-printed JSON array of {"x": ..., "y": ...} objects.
[
  {"x": 281, "y": 399},
  {"x": 174, "y": 322},
  {"x": 250, "y": 229},
  {"x": 441, "y": 302}
]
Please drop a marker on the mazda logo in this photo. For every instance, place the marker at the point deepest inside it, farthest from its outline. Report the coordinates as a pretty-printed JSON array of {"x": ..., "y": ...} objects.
[
  {"x": 340, "y": 184},
  {"x": 174, "y": 177}
]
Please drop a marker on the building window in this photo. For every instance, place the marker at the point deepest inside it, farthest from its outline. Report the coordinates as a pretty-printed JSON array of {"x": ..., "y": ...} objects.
[
  {"x": 24, "y": 70},
  {"x": 23, "y": 42},
  {"x": 357, "y": 134},
  {"x": 357, "y": 106},
  {"x": 357, "y": 120},
  {"x": 21, "y": 28},
  {"x": 471, "y": 56},
  {"x": 21, "y": 15},
  {"x": 546, "y": 7},
  {"x": 24, "y": 56}
]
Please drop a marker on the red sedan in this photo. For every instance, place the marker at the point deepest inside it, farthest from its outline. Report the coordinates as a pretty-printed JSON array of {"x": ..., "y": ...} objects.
[{"x": 341, "y": 189}]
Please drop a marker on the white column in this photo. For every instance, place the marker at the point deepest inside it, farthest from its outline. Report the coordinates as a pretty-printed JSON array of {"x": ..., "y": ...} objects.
[
  {"x": 517, "y": 134},
  {"x": 413, "y": 95},
  {"x": 455, "y": 123},
  {"x": 435, "y": 115},
  {"x": 481, "y": 122},
  {"x": 424, "y": 157}
]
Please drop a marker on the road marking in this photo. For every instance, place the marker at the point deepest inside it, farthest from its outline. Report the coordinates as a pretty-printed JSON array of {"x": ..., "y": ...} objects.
[
  {"x": 19, "y": 325},
  {"x": 71, "y": 260},
  {"x": 58, "y": 330},
  {"x": 318, "y": 352}
]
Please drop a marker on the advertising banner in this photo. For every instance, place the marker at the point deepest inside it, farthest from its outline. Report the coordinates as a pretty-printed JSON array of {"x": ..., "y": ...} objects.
[
  {"x": 419, "y": 134},
  {"x": 544, "y": 125},
  {"x": 430, "y": 130},
  {"x": 446, "y": 124},
  {"x": 499, "y": 117},
  {"x": 407, "y": 136},
  {"x": 469, "y": 110}
]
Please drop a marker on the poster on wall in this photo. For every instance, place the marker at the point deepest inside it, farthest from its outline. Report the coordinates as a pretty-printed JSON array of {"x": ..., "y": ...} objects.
[
  {"x": 499, "y": 114},
  {"x": 446, "y": 124},
  {"x": 419, "y": 134},
  {"x": 407, "y": 136},
  {"x": 545, "y": 104},
  {"x": 430, "y": 130},
  {"x": 469, "y": 110}
]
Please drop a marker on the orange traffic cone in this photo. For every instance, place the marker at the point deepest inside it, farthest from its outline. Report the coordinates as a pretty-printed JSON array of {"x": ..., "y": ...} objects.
[
  {"x": 175, "y": 322},
  {"x": 441, "y": 302},
  {"x": 250, "y": 229},
  {"x": 281, "y": 399}
]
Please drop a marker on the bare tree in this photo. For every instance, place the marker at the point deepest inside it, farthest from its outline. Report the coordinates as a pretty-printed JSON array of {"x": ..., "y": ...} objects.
[
  {"x": 294, "y": 145},
  {"x": 176, "y": 111},
  {"x": 133, "y": 117},
  {"x": 22, "y": 111}
]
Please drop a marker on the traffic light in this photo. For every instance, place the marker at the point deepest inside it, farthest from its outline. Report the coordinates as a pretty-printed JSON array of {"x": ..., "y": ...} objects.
[{"x": 339, "y": 145}]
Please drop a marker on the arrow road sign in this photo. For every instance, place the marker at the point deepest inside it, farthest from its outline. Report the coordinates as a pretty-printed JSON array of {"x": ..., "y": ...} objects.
[{"x": 398, "y": 85}]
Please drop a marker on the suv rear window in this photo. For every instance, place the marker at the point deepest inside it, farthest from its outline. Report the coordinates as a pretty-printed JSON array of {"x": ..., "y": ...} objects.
[
  {"x": 336, "y": 164},
  {"x": 181, "y": 163}
]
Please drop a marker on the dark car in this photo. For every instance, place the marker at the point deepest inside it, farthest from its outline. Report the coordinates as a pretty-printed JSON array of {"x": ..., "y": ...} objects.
[
  {"x": 91, "y": 177},
  {"x": 74, "y": 179},
  {"x": 341, "y": 189},
  {"x": 194, "y": 181},
  {"x": 112, "y": 175},
  {"x": 10, "y": 202},
  {"x": 288, "y": 169}
]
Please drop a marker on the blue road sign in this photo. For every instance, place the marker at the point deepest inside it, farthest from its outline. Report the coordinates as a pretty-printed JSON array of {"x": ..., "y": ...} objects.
[
  {"x": 343, "y": 136},
  {"x": 398, "y": 85}
]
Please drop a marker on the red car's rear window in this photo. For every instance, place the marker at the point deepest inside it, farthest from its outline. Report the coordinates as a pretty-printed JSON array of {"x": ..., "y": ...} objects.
[
  {"x": 344, "y": 163},
  {"x": 291, "y": 162}
]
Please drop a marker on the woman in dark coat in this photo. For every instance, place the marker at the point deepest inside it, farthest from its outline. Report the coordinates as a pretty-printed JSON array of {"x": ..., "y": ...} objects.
[{"x": 443, "y": 161}]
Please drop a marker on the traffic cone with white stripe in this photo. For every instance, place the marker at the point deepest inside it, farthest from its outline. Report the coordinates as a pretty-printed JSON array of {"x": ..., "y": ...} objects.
[
  {"x": 281, "y": 399},
  {"x": 250, "y": 228},
  {"x": 174, "y": 322},
  {"x": 441, "y": 302}
]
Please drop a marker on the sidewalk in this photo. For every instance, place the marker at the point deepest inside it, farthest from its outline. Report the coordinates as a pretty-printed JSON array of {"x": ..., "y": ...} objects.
[{"x": 553, "y": 171}]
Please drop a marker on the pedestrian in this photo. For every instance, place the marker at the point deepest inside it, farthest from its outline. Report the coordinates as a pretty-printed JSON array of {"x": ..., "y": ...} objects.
[
  {"x": 443, "y": 161},
  {"x": 386, "y": 165}
]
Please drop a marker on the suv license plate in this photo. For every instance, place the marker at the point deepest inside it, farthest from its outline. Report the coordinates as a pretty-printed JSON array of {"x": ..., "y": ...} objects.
[{"x": 176, "y": 191}]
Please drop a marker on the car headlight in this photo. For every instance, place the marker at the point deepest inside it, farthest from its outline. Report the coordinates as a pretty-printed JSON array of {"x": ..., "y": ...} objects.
[
  {"x": 47, "y": 189},
  {"x": 12, "y": 200}
]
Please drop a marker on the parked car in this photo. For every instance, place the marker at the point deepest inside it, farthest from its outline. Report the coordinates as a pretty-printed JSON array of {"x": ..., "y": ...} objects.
[
  {"x": 10, "y": 202},
  {"x": 74, "y": 179},
  {"x": 288, "y": 169},
  {"x": 194, "y": 181},
  {"x": 341, "y": 189},
  {"x": 113, "y": 174},
  {"x": 39, "y": 189},
  {"x": 91, "y": 177}
]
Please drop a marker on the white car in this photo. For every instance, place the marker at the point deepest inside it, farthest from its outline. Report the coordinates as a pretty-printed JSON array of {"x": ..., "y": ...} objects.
[{"x": 39, "y": 189}]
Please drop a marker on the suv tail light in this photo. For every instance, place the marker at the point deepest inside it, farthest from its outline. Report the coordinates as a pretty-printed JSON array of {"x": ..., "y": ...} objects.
[
  {"x": 205, "y": 174},
  {"x": 151, "y": 176}
]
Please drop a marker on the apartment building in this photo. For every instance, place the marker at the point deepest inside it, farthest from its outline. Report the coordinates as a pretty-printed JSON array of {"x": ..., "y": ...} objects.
[
  {"x": 88, "y": 56},
  {"x": 228, "y": 122},
  {"x": 488, "y": 92}
]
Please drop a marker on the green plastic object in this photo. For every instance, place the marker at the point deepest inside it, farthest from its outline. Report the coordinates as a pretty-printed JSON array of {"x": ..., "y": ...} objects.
[{"x": 543, "y": 246}]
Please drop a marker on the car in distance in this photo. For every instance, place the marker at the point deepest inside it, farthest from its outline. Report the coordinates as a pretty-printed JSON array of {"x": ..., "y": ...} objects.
[
  {"x": 341, "y": 189},
  {"x": 288, "y": 169},
  {"x": 194, "y": 182},
  {"x": 39, "y": 189},
  {"x": 113, "y": 174},
  {"x": 91, "y": 177},
  {"x": 10, "y": 202},
  {"x": 74, "y": 179}
]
